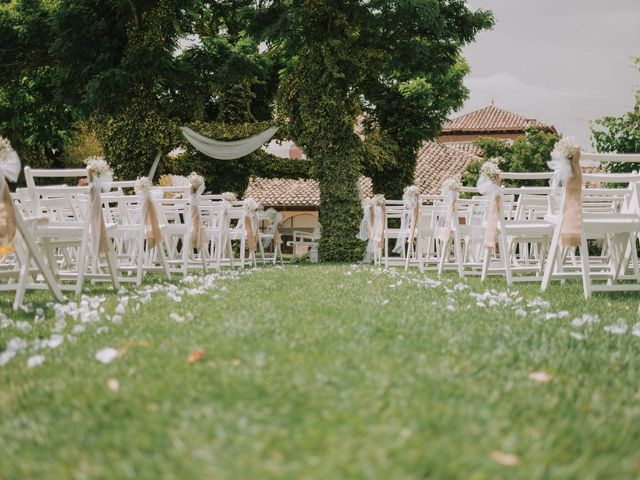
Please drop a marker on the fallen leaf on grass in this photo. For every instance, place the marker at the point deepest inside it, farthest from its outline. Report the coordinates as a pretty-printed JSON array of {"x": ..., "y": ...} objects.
[
  {"x": 503, "y": 458},
  {"x": 540, "y": 376},
  {"x": 196, "y": 356},
  {"x": 130, "y": 344}
]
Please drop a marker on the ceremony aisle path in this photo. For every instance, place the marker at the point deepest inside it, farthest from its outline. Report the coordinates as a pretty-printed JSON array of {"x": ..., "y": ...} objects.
[{"x": 322, "y": 372}]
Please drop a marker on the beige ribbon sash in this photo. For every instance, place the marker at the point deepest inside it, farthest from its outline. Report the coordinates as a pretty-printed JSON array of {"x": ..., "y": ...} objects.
[
  {"x": 491, "y": 231},
  {"x": 571, "y": 226},
  {"x": 251, "y": 236},
  {"x": 152, "y": 230},
  {"x": 97, "y": 229},
  {"x": 277, "y": 239},
  {"x": 7, "y": 213},
  {"x": 372, "y": 216},
  {"x": 198, "y": 236},
  {"x": 445, "y": 234}
]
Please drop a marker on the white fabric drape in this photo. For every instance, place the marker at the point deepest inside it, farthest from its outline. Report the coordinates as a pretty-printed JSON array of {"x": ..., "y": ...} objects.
[
  {"x": 407, "y": 223},
  {"x": 227, "y": 150}
]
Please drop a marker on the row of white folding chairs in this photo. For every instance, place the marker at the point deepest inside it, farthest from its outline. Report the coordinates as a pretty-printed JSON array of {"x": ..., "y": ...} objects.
[
  {"x": 527, "y": 236},
  {"x": 57, "y": 230}
]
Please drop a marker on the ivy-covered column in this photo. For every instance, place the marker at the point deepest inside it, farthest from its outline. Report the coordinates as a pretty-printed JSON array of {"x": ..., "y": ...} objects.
[{"x": 322, "y": 113}]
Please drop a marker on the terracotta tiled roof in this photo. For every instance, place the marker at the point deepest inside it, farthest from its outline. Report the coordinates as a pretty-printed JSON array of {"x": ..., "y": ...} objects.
[
  {"x": 281, "y": 193},
  {"x": 490, "y": 119},
  {"x": 467, "y": 147},
  {"x": 438, "y": 161}
]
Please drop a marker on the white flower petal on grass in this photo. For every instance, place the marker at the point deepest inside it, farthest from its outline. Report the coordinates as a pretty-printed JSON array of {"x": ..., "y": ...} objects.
[
  {"x": 586, "y": 319},
  {"x": 35, "y": 360},
  {"x": 6, "y": 356},
  {"x": 540, "y": 376},
  {"x": 577, "y": 335},
  {"x": 55, "y": 341},
  {"x": 113, "y": 384},
  {"x": 106, "y": 355},
  {"x": 5, "y": 322},
  {"x": 59, "y": 326},
  {"x": 23, "y": 326},
  {"x": 176, "y": 317},
  {"x": 636, "y": 330},
  {"x": 16, "y": 344},
  {"x": 618, "y": 328},
  {"x": 78, "y": 329}
]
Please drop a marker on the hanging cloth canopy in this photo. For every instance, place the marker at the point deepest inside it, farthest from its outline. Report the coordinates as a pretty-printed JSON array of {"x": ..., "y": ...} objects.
[{"x": 227, "y": 150}]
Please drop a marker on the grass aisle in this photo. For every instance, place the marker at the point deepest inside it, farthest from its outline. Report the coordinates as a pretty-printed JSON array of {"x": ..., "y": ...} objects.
[{"x": 326, "y": 372}]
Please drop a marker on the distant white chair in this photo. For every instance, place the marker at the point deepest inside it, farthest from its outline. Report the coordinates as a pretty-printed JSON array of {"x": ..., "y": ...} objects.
[{"x": 308, "y": 241}]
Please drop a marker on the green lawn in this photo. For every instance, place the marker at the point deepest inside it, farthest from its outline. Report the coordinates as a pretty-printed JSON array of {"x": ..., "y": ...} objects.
[{"x": 327, "y": 372}]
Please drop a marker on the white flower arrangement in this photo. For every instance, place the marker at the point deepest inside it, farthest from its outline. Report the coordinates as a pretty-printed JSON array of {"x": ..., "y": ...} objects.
[
  {"x": 98, "y": 166},
  {"x": 251, "y": 205},
  {"x": 229, "y": 197},
  {"x": 411, "y": 191},
  {"x": 196, "y": 182},
  {"x": 378, "y": 200},
  {"x": 142, "y": 186},
  {"x": 564, "y": 148},
  {"x": 5, "y": 148},
  {"x": 10, "y": 164},
  {"x": 490, "y": 169},
  {"x": 272, "y": 214},
  {"x": 176, "y": 152},
  {"x": 452, "y": 184}
]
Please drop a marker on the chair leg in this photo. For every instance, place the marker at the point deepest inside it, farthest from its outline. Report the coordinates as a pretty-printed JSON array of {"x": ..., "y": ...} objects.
[
  {"x": 163, "y": 261},
  {"x": 551, "y": 259},
  {"x": 32, "y": 248},
  {"x": 505, "y": 253},
  {"x": 444, "y": 254},
  {"x": 113, "y": 265},
  {"x": 486, "y": 260},
  {"x": 458, "y": 253},
  {"x": 584, "y": 258}
]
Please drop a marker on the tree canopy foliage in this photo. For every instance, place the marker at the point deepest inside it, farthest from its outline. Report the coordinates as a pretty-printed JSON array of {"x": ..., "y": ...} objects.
[
  {"x": 529, "y": 153},
  {"x": 619, "y": 134},
  {"x": 358, "y": 84},
  {"x": 392, "y": 66}
]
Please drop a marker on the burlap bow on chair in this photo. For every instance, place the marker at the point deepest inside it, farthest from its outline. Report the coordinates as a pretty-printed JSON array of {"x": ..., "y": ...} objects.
[
  {"x": 277, "y": 238},
  {"x": 571, "y": 226},
  {"x": 152, "y": 230},
  {"x": 251, "y": 232},
  {"x": 7, "y": 213},
  {"x": 97, "y": 228},
  {"x": 198, "y": 235}
]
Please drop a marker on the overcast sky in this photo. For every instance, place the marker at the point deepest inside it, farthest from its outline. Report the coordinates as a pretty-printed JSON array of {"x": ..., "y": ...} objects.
[{"x": 564, "y": 62}]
